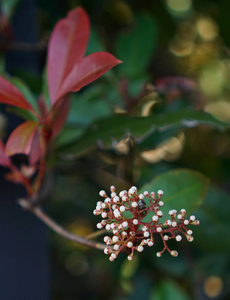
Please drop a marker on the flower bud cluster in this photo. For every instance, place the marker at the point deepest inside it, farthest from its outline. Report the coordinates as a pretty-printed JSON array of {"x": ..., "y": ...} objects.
[{"x": 122, "y": 216}]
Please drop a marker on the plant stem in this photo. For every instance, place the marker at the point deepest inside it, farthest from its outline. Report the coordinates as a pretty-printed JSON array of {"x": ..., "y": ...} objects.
[{"x": 37, "y": 211}]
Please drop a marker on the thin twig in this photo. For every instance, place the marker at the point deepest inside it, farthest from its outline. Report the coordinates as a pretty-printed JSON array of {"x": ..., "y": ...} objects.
[{"x": 37, "y": 211}]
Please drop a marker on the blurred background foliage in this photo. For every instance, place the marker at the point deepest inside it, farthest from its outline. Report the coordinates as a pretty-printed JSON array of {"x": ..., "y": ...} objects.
[{"x": 176, "y": 59}]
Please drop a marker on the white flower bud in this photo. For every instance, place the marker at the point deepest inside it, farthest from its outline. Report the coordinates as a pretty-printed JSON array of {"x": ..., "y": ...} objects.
[
  {"x": 116, "y": 199},
  {"x": 161, "y": 203},
  {"x": 102, "y": 193},
  {"x": 113, "y": 194},
  {"x": 183, "y": 211},
  {"x": 125, "y": 224},
  {"x": 186, "y": 222},
  {"x": 160, "y": 193},
  {"x": 124, "y": 233},
  {"x": 146, "y": 234},
  {"x": 124, "y": 198},
  {"x": 116, "y": 247},
  {"x": 114, "y": 255},
  {"x": 98, "y": 207},
  {"x": 115, "y": 231},
  {"x": 104, "y": 214},
  {"x": 132, "y": 191},
  {"x": 140, "y": 248},
  {"x": 108, "y": 227},
  {"x": 174, "y": 253},
  {"x": 120, "y": 226},
  {"x": 179, "y": 217},
  {"x": 196, "y": 222},
  {"x": 129, "y": 244},
  {"x": 189, "y": 232},
  {"x": 189, "y": 238},
  {"x": 168, "y": 222},
  {"x": 150, "y": 243},
  {"x": 103, "y": 205},
  {"x": 106, "y": 250},
  {"x": 112, "y": 188},
  {"x": 192, "y": 218},
  {"x": 144, "y": 228},
  {"x": 111, "y": 258},
  {"x": 135, "y": 221},
  {"x": 141, "y": 196},
  {"x": 159, "y": 229},
  {"x": 113, "y": 226},
  {"x": 115, "y": 239},
  {"x": 95, "y": 212},
  {"x": 107, "y": 200},
  {"x": 146, "y": 193},
  {"x": 153, "y": 195},
  {"x": 130, "y": 257},
  {"x": 134, "y": 204},
  {"x": 174, "y": 224},
  {"x": 160, "y": 213},
  {"x": 178, "y": 238},
  {"x": 166, "y": 237},
  {"x": 99, "y": 225},
  {"x": 122, "y": 208},
  {"x": 117, "y": 214},
  {"x": 158, "y": 254},
  {"x": 132, "y": 233},
  {"x": 106, "y": 238},
  {"x": 155, "y": 218}
]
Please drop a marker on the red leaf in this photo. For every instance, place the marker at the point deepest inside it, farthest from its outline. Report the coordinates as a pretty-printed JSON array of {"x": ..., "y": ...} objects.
[
  {"x": 36, "y": 149},
  {"x": 66, "y": 47},
  {"x": 10, "y": 94},
  {"x": 87, "y": 70},
  {"x": 4, "y": 159},
  {"x": 60, "y": 115},
  {"x": 21, "y": 138}
]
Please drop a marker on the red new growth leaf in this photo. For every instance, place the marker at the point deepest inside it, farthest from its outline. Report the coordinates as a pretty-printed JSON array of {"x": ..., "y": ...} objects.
[
  {"x": 4, "y": 159},
  {"x": 68, "y": 70},
  {"x": 87, "y": 70},
  {"x": 21, "y": 138},
  {"x": 66, "y": 47},
  {"x": 11, "y": 95}
]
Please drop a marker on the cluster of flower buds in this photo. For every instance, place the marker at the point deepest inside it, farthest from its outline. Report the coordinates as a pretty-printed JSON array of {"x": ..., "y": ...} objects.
[{"x": 123, "y": 214}]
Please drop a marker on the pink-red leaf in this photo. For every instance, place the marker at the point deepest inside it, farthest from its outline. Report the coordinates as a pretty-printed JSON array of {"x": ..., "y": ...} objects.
[
  {"x": 21, "y": 138},
  {"x": 10, "y": 94},
  {"x": 87, "y": 70},
  {"x": 60, "y": 115},
  {"x": 36, "y": 149},
  {"x": 66, "y": 47},
  {"x": 4, "y": 159}
]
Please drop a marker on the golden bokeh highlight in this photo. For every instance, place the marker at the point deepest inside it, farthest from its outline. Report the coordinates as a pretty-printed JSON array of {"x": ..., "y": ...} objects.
[
  {"x": 213, "y": 286},
  {"x": 179, "y": 7}
]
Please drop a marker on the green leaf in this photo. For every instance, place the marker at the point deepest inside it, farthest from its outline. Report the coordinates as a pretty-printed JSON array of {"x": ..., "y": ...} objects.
[
  {"x": 136, "y": 48},
  {"x": 169, "y": 290},
  {"x": 22, "y": 113},
  {"x": 182, "y": 189},
  {"x": 107, "y": 131},
  {"x": 45, "y": 90},
  {"x": 213, "y": 233}
]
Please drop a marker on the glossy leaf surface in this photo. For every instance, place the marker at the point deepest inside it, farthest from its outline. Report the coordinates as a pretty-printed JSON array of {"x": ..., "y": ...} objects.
[
  {"x": 109, "y": 130},
  {"x": 21, "y": 138},
  {"x": 10, "y": 94},
  {"x": 87, "y": 70},
  {"x": 66, "y": 47},
  {"x": 182, "y": 189}
]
